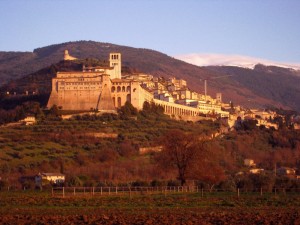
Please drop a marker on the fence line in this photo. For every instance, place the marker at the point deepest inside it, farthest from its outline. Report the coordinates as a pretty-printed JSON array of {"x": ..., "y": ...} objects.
[{"x": 165, "y": 190}]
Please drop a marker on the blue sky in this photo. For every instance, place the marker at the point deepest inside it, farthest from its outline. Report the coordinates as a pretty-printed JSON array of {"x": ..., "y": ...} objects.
[{"x": 258, "y": 28}]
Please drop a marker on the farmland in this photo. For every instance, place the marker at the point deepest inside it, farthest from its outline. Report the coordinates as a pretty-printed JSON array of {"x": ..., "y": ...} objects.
[{"x": 178, "y": 208}]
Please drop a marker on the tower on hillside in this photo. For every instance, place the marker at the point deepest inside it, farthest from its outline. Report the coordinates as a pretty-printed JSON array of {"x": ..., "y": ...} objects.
[
  {"x": 67, "y": 56},
  {"x": 115, "y": 62},
  {"x": 219, "y": 97}
]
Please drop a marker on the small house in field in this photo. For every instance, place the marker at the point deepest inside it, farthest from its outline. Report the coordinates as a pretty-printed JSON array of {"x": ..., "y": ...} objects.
[
  {"x": 52, "y": 178},
  {"x": 256, "y": 170},
  {"x": 286, "y": 171},
  {"x": 147, "y": 150},
  {"x": 249, "y": 162},
  {"x": 29, "y": 120}
]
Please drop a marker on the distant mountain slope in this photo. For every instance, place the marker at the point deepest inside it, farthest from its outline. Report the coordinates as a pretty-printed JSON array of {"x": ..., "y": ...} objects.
[
  {"x": 213, "y": 59},
  {"x": 275, "y": 83},
  {"x": 34, "y": 71},
  {"x": 15, "y": 64}
]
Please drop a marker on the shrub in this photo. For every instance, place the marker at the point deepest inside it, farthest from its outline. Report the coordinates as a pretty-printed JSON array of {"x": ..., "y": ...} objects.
[
  {"x": 106, "y": 155},
  {"x": 126, "y": 149},
  {"x": 3, "y": 184},
  {"x": 74, "y": 181},
  {"x": 139, "y": 183},
  {"x": 157, "y": 183}
]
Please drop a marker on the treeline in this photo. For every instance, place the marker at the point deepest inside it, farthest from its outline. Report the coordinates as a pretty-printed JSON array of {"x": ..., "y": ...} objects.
[
  {"x": 15, "y": 108},
  {"x": 9, "y": 102},
  {"x": 20, "y": 112}
]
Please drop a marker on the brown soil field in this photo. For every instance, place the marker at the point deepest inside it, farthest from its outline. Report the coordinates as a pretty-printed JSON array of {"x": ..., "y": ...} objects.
[
  {"x": 41, "y": 208},
  {"x": 153, "y": 216}
]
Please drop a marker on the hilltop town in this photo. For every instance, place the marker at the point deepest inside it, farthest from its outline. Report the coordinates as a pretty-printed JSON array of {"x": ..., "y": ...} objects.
[{"x": 104, "y": 89}]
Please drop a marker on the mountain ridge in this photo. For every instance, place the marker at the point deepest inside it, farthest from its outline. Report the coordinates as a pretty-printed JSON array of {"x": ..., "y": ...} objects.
[{"x": 211, "y": 59}]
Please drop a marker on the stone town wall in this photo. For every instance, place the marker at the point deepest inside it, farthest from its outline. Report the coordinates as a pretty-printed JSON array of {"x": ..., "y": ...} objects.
[
  {"x": 139, "y": 95},
  {"x": 75, "y": 100},
  {"x": 75, "y": 91}
]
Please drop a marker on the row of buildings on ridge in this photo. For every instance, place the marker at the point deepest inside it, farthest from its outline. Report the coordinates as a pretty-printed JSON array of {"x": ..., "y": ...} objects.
[{"x": 103, "y": 88}]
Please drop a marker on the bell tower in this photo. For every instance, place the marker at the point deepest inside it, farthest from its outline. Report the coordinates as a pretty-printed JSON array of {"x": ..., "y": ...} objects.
[{"x": 115, "y": 62}]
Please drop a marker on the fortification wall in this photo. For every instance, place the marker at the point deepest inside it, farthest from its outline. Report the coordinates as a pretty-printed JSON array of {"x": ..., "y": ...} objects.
[
  {"x": 105, "y": 102},
  {"x": 75, "y": 100},
  {"x": 139, "y": 95}
]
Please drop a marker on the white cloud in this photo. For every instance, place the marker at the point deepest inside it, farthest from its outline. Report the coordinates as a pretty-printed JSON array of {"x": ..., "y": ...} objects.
[{"x": 231, "y": 60}]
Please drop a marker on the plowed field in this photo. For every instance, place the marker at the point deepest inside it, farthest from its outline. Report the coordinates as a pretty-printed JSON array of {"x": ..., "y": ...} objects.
[{"x": 41, "y": 208}]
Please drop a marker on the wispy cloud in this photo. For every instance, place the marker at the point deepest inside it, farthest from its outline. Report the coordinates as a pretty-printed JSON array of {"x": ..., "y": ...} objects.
[{"x": 231, "y": 60}]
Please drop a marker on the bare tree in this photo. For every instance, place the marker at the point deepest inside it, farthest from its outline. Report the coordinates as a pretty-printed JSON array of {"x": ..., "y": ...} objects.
[
  {"x": 180, "y": 151},
  {"x": 190, "y": 156}
]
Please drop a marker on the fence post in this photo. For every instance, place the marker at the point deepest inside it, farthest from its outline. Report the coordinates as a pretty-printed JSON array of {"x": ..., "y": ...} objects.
[
  {"x": 238, "y": 193},
  {"x": 74, "y": 191},
  {"x": 63, "y": 192}
]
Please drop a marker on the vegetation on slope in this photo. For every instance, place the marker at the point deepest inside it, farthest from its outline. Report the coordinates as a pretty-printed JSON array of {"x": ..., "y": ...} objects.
[
  {"x": 70, "y": 146},
  {"x": 94, "y": 150}
]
